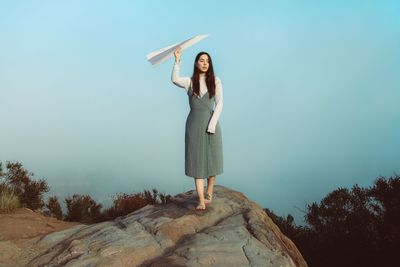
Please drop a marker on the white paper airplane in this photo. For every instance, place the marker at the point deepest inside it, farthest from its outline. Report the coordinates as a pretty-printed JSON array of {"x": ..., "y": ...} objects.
[{"x": 163, "y": 54}]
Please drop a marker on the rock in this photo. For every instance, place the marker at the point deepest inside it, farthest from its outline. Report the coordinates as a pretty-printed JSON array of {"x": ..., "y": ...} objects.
[
  {"x": 27, "y": 223},
  {"x": 232, "y": 231},
  {"x": 20, "y": 230}
]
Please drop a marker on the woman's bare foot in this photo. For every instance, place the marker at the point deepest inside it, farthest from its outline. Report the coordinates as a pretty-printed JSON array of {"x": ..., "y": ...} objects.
[
  {"x": 201, "y": 206},
  {"x": 208, "y": 198}
]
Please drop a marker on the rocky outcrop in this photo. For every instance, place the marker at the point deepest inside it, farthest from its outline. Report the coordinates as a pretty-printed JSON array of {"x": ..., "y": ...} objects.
[
  {"x": 20, "y": 230},
  {"x": 232, "y": 231}
]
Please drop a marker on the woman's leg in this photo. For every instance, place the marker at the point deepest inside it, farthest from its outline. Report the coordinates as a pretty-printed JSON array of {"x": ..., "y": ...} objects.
[
  {"x": 200, "y": 191},
  {"x": 210, "y": 187}
]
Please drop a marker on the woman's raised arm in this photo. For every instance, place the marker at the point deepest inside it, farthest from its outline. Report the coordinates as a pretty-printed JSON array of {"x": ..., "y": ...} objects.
[{"x": 183, "y": 82}]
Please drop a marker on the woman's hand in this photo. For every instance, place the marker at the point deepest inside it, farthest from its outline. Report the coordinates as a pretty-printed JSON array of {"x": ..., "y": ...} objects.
[{"x": 177, "y": 54}]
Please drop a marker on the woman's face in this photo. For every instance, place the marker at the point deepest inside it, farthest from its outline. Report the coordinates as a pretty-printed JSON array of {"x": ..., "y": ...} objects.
[{"x": 203, "y": 64}]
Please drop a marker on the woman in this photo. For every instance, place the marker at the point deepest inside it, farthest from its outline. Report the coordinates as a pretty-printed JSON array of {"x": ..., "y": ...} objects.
[{"x": 203, "y": 139}]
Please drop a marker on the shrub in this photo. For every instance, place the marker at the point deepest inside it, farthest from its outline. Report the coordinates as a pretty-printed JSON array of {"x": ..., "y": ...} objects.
[
  {"x": 54, "y": 208},
  {"x": 82, "y": 208},
  {"x": 29, "y": 192},
  {"x": 126, "y": 203}
]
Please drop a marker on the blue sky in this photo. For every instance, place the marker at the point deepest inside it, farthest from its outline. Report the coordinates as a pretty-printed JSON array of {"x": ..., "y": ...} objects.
[{"x": 311, "y": 93}]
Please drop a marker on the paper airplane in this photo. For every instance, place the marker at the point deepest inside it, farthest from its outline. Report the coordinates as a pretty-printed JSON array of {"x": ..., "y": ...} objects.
[{"x": 163, "y": 54}]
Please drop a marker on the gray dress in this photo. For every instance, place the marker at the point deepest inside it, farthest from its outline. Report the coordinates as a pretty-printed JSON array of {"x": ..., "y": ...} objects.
[{"x": 203, "y": 150}]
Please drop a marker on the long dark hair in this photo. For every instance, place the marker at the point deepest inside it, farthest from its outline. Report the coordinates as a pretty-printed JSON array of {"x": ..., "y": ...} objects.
[{"x": 210, "y": 78}]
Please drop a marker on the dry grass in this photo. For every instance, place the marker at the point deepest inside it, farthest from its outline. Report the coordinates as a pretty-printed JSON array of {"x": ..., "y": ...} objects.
[{"x": 8, "y": 200}]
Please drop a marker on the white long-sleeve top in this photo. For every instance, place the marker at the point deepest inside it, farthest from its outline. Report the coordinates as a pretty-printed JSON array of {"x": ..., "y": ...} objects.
[{"x": 185, "y": 83}]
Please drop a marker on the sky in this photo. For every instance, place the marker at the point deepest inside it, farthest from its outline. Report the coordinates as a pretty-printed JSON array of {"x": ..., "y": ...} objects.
[{"x": 311, "y": 93}]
